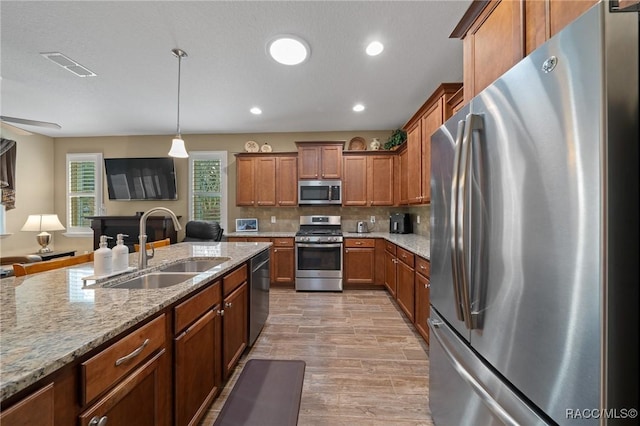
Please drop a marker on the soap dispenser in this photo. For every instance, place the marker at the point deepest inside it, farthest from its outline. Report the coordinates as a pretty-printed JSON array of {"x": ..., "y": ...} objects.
[
  {"x": 120, "y": 254},
  {"x": 103, "y": 258}
]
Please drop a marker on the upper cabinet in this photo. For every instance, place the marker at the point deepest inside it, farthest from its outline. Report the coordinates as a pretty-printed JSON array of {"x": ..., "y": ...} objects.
[
  {"x": 266, "y": 180},
  {"x": 497, "y": 34},
  {"x": 415, "y": 167},
  {"x": 367, "y": 178},
  {"x": 320, "y": 160}
]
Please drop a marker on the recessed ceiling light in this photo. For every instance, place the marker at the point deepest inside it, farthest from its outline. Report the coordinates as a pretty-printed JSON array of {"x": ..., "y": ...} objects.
[
  {"x": 288, "y": 50},
  {"x": 374, "y": 48},
  {"x": 358, "y": 107},
  {"x": 255, "y": 110}
]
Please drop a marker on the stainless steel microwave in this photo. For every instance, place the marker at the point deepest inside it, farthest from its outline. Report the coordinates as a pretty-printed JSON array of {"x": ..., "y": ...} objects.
[{"x": 319, "y": 192}]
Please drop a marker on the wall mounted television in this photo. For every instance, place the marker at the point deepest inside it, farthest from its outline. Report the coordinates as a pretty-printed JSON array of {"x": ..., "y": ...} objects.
[{"x": 141, "y": 178}]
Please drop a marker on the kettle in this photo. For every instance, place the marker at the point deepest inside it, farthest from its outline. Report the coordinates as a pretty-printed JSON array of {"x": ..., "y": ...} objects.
[{"x": 361, "y": 227}]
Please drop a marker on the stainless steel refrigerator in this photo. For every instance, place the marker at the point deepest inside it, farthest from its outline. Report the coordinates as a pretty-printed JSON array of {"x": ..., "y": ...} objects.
[{"x": 534, "y": 238}]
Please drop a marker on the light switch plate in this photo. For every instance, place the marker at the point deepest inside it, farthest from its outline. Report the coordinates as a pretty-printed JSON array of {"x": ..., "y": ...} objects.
[
  {"x": 273, "y": 219},
  {"x": 418, "y": 218}
]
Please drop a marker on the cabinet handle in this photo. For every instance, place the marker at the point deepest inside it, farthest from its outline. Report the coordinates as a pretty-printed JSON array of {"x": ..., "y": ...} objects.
[
  {"x": 427, "y": 285},
  {"x": 131, "y": 355},
  {"x": 346, "y": 250},
  {"x": 98, "y": 421},
  {"x": 228, "y": 305},
  {"x": 422, "y": 267},
  {"x": 358, "y": 243},
  {"x": 275, "y": 250},
  {"x": 220, "y": 312}
]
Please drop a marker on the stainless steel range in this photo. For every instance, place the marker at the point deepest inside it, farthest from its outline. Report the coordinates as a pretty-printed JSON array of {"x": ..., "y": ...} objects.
[{"x": 319, "y": 254}]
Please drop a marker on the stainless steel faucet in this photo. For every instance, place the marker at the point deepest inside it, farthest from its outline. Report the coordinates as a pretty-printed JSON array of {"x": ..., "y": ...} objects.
[{"x": 144, "y": 256}]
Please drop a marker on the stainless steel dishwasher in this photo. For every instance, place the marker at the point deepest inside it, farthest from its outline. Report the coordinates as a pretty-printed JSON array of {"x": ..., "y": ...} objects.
[{"x": 259, "y": 294}]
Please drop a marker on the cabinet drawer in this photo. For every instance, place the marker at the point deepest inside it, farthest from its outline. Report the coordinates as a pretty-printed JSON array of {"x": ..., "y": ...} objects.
[
  {"x": 234, "y": 279},
  {"x": 406, "y": 257},
  {"x": 423, "y": 267},
  {"x": 189, "y": 310},
  {"x": 110, "y": 365},
  {"x": 359, "y": 242},
  {"x": 283, "y": 242},
  {"x": 390, "y": 247}
]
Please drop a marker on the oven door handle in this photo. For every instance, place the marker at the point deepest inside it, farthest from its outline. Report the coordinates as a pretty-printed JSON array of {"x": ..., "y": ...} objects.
[{"x": 314, "y": 245}]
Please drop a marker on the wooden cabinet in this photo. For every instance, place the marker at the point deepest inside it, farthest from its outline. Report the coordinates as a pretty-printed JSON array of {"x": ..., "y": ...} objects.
[
  {"x": 235, "y": 330},
  {"x": 405, "y": 282},
  {"x": 320, "y": 160},
  {"x": 37, "y": 409},
  {"x": 266, "y": 180},
  {"x": 283, "y": 261},
  {"x": 497, "y": 34},
  {"x": 134, "y": 372},
  {"x": 402, "y": 194},
  {"x": 433, "y": 113},
  {"x": 140, "y": 399},
  {"x": 198, "y": 353},
  {"x": 281, "y": 258},
  {"x": 423, "y": 286},
  {"x": 359, "y": 261},
  {"x": 368, "y": 180},
  {"x": 390, "y": 269}
]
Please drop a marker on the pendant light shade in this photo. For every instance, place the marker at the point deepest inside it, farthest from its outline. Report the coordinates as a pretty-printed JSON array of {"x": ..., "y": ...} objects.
[{"x": 177, "y": 145}]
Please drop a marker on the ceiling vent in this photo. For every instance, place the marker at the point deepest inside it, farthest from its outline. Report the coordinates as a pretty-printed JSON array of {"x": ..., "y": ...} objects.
[{"x": 69, "y": 64}]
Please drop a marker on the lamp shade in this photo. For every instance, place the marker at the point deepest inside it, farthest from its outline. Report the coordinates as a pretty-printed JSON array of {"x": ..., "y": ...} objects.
[
  {"x": 43, "y": 222},
  {"x": 177, "y": 149}
]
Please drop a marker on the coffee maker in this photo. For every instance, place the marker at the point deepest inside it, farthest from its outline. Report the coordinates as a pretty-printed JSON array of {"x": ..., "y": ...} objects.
[{"x": 400, "y": 223}]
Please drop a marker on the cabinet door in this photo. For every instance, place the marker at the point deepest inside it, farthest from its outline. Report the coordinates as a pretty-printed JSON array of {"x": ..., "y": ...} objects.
[
  {"x": 283, "y": 265},
  {"x": 422, "y": 305},
  {"x": 34, "y": 410},
  {"x": 404, "y": 177},
  {"x": 235, "y": 331},
  {"x": 309, "y": 162},
  {"x": 265, "y": 183},
  {"x": 245, "y": 181},
  {"x": 287, "y": 181},
  {"x": 141, "y": 399},
  {"x": 359, "y": 263},
  {"x": 406, "y": 290},
  {"x": 197, "y": 367},
  {"x": 493, "y": 44},
  {"x": 380, "y": 180},
  {"x": 414, "y": 164},
  {"x": 354, "y": 185},
  {"x": 431, "y": 121},
  {"x": 390, "y": 278},
  {"x": 331, "y": 162}
]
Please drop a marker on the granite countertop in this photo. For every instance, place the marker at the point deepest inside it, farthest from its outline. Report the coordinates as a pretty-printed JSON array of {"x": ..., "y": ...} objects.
[
  {"x": 49, "y": 319},
  {"x": 413, "y": 242}
]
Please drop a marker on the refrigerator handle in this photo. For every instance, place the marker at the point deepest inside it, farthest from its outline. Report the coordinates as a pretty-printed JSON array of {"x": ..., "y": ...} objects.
[
  {"x": 472, "y": 122},
  {"x": 454, "y": 222}
]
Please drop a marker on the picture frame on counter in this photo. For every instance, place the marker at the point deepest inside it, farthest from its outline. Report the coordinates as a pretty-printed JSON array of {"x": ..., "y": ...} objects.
[{"x": 246, "y": 225}]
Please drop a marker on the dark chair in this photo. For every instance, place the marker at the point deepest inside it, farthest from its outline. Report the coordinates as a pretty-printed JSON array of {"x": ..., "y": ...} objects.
[{"x": 203, "y": 230}]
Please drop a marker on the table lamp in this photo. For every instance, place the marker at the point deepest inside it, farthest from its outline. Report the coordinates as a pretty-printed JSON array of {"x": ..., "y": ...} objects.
[{"x": 43, "y": 223}]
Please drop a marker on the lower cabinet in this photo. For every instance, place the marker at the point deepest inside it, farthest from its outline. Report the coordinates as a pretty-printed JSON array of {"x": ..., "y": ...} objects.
[
  {"x": 198, "y": 354},
  {"x": 423, "y": 286},
  {"x": 359, "y": 261},
  {"x": 406, "y": 284},
  {"x": 390, "y": 268},
  {"x": 138, "y": 400},
  {"x": 235, "y": 325},
  {"x": 33, "y": 410},
  {"x": 281, "y": 258}
]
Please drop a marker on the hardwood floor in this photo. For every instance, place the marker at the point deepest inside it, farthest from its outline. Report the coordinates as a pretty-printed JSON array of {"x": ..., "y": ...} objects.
[{"x": 365, "y": 363}]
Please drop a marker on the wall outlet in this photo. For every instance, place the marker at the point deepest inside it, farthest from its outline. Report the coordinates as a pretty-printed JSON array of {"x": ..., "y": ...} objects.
[
  {"x": 273, "y": 219},
  {"x": 373, "y": 219},
  {"x": 418, "y": 218}
]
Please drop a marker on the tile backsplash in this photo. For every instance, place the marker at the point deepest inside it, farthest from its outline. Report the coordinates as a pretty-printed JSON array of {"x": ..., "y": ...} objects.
[{"x": 287, "y": 219}]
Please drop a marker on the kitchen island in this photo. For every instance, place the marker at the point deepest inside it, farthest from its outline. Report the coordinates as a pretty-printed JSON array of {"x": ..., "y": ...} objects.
[{"x": 51, "y": 319}]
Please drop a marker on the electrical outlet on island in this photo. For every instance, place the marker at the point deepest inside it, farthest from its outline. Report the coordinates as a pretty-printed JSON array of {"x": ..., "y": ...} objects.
[{"x": 373, "y": 219}]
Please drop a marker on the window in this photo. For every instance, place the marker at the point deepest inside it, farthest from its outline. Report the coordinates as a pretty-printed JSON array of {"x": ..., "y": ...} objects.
[
  {"x": 208, "y": 186},
  {"x": 84, "y": 191}
]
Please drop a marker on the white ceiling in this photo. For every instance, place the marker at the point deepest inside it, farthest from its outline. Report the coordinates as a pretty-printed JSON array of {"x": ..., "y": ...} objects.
[{"x": 128, "y": 45}]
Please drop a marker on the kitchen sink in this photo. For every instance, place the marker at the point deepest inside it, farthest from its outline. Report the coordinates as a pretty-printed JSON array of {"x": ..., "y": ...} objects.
[
  {"x": 195, "y": 265},
  {"x": 154, "y": 280}
]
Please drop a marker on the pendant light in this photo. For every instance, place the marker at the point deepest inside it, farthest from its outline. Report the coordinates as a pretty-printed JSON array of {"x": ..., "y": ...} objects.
[{"x": 177, "y": 145}]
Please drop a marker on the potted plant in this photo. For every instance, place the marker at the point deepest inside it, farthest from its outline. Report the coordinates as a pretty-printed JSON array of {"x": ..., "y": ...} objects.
[{"x": 398, "y": 137}]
